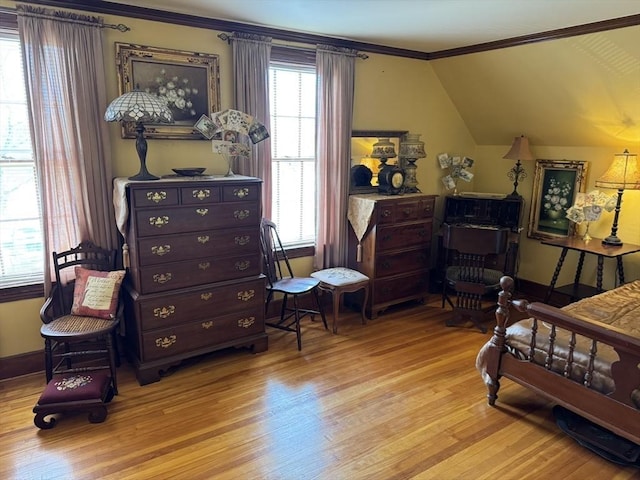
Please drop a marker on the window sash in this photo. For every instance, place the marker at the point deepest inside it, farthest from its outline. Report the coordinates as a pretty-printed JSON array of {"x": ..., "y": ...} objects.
[
  {"x": 293, "y": 125},
  {"x": 21, "y": 238}
]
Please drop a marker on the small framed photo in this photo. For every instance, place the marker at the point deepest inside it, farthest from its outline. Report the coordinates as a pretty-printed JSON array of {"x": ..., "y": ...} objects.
[
  {"x": 206, "y": 127},
  {"x": 555, "y": 188}
]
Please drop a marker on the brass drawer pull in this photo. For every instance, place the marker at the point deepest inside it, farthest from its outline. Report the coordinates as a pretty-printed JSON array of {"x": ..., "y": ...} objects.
[
  {"x": 164, "y": 312},
  {"x": 241, "y": 214},
  {"x": 246, "y": 295},
  {"x": 407, "y": 212},
  {"x": 160, "y": 250},
  {"x": 386, "y": 265},
  {"x": 243, "y": 240},
  {"x": 386, "y": 213},
  {"x": 243, "y": 265},
  {"x": 162, "y": 277},
  {"x": 166, "y": 342},
  {"x": 156, "y": 197},
  {"x": 202, "y": 211},
  {"x": 241, "y": 192},
  {"x": 159, "y": 221},
  {"x": 204, "y": 265},
  {"x": 206, "y": 296},
  {"x": 246, "y": 322},
  {"x": 207, "y": 325},
  {"x": 203, "y": 239},
  {"x": 201, "y": 194}
]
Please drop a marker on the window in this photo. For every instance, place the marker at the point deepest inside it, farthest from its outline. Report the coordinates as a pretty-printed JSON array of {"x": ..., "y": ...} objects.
[
  {"x": 21, "y": 240},
  {"x": 292, "y": 90}
]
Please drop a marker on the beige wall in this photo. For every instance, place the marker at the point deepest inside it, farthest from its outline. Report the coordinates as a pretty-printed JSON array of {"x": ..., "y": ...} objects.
[{"x": 391, "y": 94}]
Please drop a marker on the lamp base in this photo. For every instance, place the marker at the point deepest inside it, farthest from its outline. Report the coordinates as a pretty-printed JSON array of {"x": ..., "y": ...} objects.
[
  {"x": 144, "y": 176},
  {"x": 141, "y": 148},
  {"x": 612, "y": 241}
]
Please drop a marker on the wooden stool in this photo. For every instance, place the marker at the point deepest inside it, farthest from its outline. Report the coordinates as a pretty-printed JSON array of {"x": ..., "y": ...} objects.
[
  {"x": 77, "y": 392},
  {"x": 339, "y": 280}
]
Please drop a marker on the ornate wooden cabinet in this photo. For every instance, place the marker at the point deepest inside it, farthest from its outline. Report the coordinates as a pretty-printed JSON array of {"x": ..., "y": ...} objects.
[
  {"x": 395, "y": 250},
  {"x": 195, "y": 282}
]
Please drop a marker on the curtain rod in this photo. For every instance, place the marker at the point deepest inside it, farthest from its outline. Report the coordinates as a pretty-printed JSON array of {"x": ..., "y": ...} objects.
[
  {"x": 227, "y": 38},
  {"x": 71, "y": 18}
]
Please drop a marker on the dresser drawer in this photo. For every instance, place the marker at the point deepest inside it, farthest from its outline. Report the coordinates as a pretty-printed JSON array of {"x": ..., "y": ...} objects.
[
  {"x": 192, "y": 219},
  {"x": 209, "y": 243},
  {"x": 169, "y": 276},
  {"x": 244, "y": 193},
  {"x": 404, "y": 235},
  {"x": 183, "y": 306},
  {"x": 199, "y": 194},
  {"x": 155, "y": 196},
  {"x": 402, "y": 262},
  {"x": 201, "y": 334},
  {"x": 404, "y": 210},
  {"x": 395, "y": 289}
]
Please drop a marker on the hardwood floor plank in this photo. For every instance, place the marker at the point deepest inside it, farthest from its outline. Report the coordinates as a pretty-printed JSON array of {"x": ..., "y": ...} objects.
[{"x": 399, "y": 398}]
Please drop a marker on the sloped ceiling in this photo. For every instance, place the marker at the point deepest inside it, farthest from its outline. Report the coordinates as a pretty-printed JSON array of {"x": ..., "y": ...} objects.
[{"x": 579, "y": 91}]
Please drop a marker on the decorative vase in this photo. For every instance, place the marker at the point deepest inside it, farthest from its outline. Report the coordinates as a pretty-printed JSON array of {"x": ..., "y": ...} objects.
[{"x": 554, "y": 214}]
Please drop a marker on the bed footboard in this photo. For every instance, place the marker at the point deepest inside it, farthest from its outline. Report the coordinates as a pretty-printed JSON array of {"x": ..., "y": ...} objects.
[{"x": 586, "y": 366}]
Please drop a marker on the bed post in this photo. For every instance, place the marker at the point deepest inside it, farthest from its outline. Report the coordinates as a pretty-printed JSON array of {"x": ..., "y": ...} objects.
[{"x": 497, "y": 343}]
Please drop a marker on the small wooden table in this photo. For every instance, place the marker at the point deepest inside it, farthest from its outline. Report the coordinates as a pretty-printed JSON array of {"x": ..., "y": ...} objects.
[{"x": 594, "y": 246}]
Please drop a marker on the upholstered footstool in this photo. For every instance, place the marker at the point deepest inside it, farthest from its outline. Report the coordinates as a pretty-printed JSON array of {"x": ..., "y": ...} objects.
[
  {"x": 339, "y": 280},
  {"x": 75, "y": 392}
]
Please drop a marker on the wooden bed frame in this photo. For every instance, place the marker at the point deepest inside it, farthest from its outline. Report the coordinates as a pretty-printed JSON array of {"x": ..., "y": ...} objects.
[{"x": 615, "y": 411}]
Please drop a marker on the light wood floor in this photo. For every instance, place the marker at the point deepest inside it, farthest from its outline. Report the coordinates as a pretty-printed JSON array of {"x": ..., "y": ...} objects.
[{"x": 398, "y": 398}]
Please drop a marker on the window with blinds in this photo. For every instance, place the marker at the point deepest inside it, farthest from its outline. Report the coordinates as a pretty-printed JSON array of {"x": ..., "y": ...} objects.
[
  {"x": 292, "y": 90},
  {"x": 21, "y": 240}
]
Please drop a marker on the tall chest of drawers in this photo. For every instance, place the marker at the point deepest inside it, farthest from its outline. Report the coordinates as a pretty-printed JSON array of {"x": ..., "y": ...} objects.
[
  {"x": 194, "y": 282},
  {"x": 395, "y": 250}
]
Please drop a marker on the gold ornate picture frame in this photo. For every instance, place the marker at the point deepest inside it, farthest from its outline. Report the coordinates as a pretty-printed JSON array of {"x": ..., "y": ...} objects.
[
  {"x": 188, "y": 81},
  {"x": 555, "y": 186}
]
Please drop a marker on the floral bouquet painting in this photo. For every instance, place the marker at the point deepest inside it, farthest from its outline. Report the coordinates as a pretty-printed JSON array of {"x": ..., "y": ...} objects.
[
  {"x": 555, "y": 201},
  {"x": 177, "y": 92}
]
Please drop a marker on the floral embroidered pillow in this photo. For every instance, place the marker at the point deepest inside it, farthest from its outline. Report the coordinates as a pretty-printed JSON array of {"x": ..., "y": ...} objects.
[{"x": 96, "y": 293}]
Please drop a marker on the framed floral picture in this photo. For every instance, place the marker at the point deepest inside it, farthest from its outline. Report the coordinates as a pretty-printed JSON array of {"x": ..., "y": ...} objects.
[
  {"x": 555, "y": 187},
  {"x": 189, "y": 82}
]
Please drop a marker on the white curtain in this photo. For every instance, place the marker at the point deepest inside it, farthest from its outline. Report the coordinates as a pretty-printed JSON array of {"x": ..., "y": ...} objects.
[
  {"x": 64, "y": 72},
  {"x": 335, "y": 68}
]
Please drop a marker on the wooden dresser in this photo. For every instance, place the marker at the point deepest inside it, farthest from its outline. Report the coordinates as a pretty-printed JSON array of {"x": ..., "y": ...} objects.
[
  {"x": 194, "y": 282},
  {"x": 395, "y": 250}
]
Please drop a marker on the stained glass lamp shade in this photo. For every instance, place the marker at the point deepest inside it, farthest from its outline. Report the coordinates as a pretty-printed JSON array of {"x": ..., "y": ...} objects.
[{"x": 139, "y": 107}]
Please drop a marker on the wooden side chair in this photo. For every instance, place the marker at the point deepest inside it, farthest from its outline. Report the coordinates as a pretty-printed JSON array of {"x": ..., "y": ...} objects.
[
  {"x": 280, "y": 279},
  {"x": 468, "y": 273},
  {"x": 80, "y": 318},
  {"x": 341, "y": 280}
]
